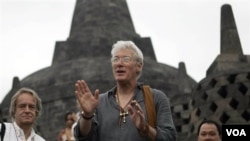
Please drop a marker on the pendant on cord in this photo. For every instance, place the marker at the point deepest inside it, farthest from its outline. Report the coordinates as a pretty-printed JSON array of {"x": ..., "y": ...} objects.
[{"x": 123, "y": 115}]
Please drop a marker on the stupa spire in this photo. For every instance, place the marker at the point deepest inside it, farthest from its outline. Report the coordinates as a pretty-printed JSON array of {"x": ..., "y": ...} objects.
[
  {"x": 99, "y": 19},
  {"x": 231, "y": 56},
  {"x": 95, "y": 27},
  {"x": 230, "y": 41}
]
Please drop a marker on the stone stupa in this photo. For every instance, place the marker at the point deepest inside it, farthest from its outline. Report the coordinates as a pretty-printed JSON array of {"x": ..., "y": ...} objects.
[{"x": 96, "y": 25}]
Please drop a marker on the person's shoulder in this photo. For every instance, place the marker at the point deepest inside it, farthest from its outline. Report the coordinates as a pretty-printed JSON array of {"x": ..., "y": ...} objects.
[
  {"x": 7, "y": 124},
  {"x": 158, "y": 92},
  {"x": 107, "y": 93},
  {"x": 39, "y": 138},
  {"x": 104, "y": 94}
]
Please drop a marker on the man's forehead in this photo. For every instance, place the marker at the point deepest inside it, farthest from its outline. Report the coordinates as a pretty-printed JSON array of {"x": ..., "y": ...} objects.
[
  {"x": 206, "y": 126},
  {"x": 25, "y": 98}
]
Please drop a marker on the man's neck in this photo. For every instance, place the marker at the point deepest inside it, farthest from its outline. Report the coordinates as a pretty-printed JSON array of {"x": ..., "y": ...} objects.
[
  {"x": 126, "y": 88},
  {"x": 26, "y": 129}
]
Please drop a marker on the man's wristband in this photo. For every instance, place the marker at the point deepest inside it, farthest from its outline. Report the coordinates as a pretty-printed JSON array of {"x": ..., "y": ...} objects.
[{"x": 87, "y": 118}]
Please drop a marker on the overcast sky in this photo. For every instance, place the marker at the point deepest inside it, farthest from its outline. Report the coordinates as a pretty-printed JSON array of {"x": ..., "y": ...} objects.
[{"x": 181, "y": 31}]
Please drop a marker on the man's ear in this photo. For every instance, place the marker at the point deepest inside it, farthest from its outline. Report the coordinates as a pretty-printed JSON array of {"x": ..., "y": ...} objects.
[{"x": 140, "y": 65}]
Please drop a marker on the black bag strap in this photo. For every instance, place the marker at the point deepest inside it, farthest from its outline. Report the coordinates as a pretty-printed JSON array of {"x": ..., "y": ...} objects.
[{"x": 2, "y": 130}]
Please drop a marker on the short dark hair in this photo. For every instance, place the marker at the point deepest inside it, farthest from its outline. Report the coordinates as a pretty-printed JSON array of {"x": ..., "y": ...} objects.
[
  {"x": 68, "y": 113},
  {"x": 210, "y": 122}
]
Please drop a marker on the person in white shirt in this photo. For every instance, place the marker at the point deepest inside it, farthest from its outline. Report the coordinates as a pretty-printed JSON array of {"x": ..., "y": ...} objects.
[{"x": 25, "y": 107}]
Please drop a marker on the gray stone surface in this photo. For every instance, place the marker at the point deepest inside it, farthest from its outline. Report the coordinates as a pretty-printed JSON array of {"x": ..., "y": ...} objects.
[
  {"x": 96, "y": 25},
  {"x": 223, "y": 95}
]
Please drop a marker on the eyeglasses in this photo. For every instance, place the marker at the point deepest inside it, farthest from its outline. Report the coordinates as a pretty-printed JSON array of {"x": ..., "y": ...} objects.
[{"x": 125, "y": 59}]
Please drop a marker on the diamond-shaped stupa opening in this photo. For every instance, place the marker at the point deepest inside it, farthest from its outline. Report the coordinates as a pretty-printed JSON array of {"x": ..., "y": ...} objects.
[
  {"x": 231, "y": 78},
  {"x": 222, "y": 91},
  {"x": 213, "y": 82},
  {"x": 213, "y": 107},
  {"x": 224, "y": 117},
  {"x": 204, "y": 96},
  {"x": 234, "y": 103},
  {"x": 246, "y": 115},
  {"x": 243, "y": 89},
  {"x": 198, "y": 112}
]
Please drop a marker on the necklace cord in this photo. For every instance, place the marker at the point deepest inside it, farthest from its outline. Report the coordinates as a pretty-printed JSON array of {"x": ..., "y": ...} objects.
[{"x": 123, "y": 112}]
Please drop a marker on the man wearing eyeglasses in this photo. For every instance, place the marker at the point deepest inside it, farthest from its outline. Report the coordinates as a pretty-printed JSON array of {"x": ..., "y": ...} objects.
[{"x": 120, "y": 113}]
